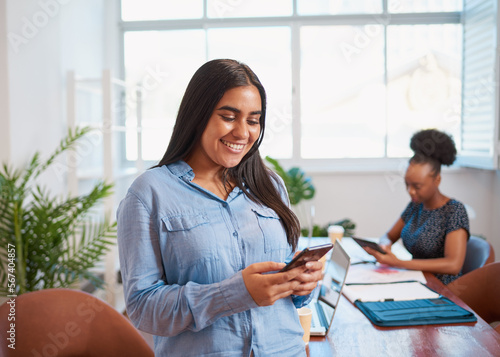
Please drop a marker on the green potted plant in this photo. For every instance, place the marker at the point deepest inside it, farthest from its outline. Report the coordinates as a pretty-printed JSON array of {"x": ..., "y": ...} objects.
[
  {"x": 322, "y": 231},
  {"x": 49, "y": 241},
  {"x": 299, "y": 187}
]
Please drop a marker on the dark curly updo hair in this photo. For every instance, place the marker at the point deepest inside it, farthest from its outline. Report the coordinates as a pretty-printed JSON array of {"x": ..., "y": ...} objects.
[{"x": 433, "y": 147}]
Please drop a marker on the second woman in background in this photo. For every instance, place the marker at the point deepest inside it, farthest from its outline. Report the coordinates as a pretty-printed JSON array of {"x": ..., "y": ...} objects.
[{"x": 434, "y": 228}]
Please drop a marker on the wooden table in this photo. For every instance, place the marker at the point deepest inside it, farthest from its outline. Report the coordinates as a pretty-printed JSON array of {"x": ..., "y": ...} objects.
[{"x": 352, "y": 334}]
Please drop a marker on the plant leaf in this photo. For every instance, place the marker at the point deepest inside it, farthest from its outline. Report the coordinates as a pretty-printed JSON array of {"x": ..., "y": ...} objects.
[{"x": 58, "y": 239}]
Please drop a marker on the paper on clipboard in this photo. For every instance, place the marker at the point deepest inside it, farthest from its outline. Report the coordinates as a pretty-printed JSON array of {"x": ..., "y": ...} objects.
[
  {"x": 371, "y": 274},
  {"x": 387, "y": 292}
]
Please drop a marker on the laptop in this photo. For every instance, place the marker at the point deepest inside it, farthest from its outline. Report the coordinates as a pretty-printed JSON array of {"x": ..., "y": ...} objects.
[{"x": 325, "y": 303}]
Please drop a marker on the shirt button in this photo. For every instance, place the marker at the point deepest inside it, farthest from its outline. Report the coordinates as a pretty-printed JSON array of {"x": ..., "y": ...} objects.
[{"x": 235, "y": 234}]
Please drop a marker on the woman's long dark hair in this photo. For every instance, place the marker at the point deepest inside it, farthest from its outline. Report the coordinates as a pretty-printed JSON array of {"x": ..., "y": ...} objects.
[{"x": 251, "y": 175}]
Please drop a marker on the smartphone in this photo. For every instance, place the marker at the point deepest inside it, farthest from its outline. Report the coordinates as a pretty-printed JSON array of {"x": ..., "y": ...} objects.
[
  {"x": 307, "y": 255},
  {"x": 366, "y": 243}
]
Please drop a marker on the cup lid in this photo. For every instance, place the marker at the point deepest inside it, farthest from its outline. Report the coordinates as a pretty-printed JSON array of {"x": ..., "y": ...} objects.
[{"x": 335, "y": 229}]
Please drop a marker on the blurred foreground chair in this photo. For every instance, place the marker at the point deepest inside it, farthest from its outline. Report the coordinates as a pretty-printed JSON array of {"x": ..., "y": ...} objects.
[
  {"x": 479, "y": 253},
  {"x": 65, "y": 322},
  {"x": 480, "y": 289}
]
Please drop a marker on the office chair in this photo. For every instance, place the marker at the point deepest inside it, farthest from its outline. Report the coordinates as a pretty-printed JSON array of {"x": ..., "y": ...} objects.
[
  {"x": 65, "y": 322},
  {"x": 479, "y": 253},
  {"x": 480, "y": 289}
]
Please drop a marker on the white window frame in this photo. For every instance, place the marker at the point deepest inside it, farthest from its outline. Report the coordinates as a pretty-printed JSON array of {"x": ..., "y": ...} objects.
[{"x": 295, "y": 21}]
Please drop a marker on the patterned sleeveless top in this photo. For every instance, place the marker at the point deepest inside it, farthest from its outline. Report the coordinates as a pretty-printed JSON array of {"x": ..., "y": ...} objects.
[{"x": 425, "y": 230}]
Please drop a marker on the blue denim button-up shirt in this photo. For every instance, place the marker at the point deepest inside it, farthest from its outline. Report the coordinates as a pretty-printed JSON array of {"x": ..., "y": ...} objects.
[{"x": 182, "y": 250}]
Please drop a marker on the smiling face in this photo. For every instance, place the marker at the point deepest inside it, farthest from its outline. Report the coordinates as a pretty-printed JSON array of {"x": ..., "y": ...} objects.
[
  {"x": 422, "y": 183},
  {"x": 232, "y": 129}
]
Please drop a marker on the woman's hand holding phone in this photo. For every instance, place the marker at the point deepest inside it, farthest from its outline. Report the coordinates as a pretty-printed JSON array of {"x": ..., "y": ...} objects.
[
  {"x": 300, "y": 278},
  {"x": 309, "y": 278},
  {"x": 266, "y": 289},
  {"x": 372, "y": 246},
  {"x": 309, "y": 260},
  {"x": 382, "y": 253}
]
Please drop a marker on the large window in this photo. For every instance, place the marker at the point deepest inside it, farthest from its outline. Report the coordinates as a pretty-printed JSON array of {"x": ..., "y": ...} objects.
[{"x": 345, "y": 79}]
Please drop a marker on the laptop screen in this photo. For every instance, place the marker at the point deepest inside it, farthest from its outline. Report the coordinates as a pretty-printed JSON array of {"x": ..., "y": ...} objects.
[{"x": 333, "y": 282}]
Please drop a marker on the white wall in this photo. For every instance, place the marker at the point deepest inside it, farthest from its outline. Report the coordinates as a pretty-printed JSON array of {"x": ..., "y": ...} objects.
[
  {"x": 4, "y": 87},
  {"x": 374, "y": 201},
  {"x": 34, "y": 79},
  {"x": 46, "y": 38}
]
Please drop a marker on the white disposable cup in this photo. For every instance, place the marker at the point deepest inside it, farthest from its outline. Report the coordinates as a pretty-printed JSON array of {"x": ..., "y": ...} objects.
[
  {"x": 305, "y": 316},
  {"x": 335, "y": 232}
]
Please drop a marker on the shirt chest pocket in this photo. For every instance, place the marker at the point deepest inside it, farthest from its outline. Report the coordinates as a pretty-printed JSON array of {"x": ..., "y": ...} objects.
[
  {"x": 190, "y": 238},
  {"x": 275, "y": 242}
]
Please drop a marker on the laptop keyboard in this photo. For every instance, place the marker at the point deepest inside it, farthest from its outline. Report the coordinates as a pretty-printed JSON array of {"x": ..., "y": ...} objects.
[{"x": 315, "y": 323}]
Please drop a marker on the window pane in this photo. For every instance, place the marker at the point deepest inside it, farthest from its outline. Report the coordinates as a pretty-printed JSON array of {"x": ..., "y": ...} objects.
[
  {"x": 412, "y": 6},
  {"x": 342, "y": 91},
  {"x": 338, "y": 7},
  {"x": 141, "y": 10},
  {"x": 255, "y": 46},
  {"x": 254, "y": 8},
  {"x": 163, "y": 63},
  {"x": 424, "y": 85}
]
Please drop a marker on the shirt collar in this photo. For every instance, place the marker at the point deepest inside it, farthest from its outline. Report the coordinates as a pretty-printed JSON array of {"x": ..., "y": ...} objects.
[{"x": 181, "y": 169}]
